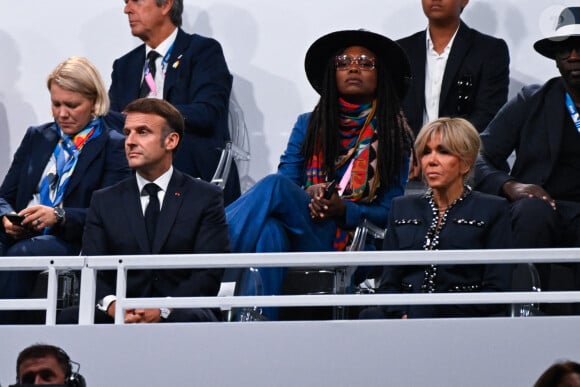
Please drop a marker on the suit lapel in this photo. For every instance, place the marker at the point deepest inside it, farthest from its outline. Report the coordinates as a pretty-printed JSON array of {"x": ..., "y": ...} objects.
[
  {"x": 418, "y": 64},
  {"x": 39, "y": 158},
  {"x": 169, "y": 210},
  {"x": 181, "y": 44},
  {"x": 459, "y": 50},
  {"x": 554, "y": 124},
  {"x": 135, "y": 65},
  {"x": 131, "y": 201}
]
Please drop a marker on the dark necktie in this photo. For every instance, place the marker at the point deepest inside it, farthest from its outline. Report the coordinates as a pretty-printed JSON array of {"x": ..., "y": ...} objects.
[
  {"x": 151, "y": 57},
  {"x": 152, "y": 210}
]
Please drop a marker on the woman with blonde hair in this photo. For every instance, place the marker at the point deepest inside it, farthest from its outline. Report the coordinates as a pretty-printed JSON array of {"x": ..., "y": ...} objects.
[
  {"x": 56, "y": 168},
  {"x": 450, "y": 215}
]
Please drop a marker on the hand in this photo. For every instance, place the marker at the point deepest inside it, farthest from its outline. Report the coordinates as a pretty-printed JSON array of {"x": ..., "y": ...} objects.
[
  {"x": 316, "y": 190},
  {"x": 111, "y": 309},
  {"x": 16, "y": 231},
  {"x": 321, "y": 208},
  {"x": 142, "y": 316},
  {"x": 38, "y": 217},
  {"x": 514, "y": 190}
]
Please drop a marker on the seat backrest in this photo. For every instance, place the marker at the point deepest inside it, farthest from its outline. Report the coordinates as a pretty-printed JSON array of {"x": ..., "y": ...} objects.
[
  {"x": 237, "y": 149},
  {"x": 239, "y": 136},
  {"x": 365, "y": 228},
  {"x": 526, "y": 278}
]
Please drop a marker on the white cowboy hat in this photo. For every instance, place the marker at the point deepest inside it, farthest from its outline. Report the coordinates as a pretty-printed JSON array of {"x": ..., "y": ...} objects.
[{"x": 568, "y": 26}]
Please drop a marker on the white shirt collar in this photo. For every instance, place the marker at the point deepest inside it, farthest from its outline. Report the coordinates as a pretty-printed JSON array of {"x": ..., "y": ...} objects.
[
  {"x": 163, "y": 46},
  {"x": 447, "y": 49},
  {"x": 162, "y": 181}
]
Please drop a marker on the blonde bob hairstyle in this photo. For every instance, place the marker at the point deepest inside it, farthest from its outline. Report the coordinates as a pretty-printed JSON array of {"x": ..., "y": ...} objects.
[
  {"x": 78, "y": 74},
  {"x": 458, "y": 136}
]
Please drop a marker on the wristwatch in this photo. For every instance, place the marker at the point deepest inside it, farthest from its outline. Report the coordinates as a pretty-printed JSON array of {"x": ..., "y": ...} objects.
[
  {"x": 164, "y": 313},
  {"x": 59, "y": 213}
]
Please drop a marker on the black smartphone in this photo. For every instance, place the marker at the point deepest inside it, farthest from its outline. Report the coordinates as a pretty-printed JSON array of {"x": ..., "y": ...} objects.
[
  {"x": 15, "y": 219},
  {"x": 330, "y": 189}
]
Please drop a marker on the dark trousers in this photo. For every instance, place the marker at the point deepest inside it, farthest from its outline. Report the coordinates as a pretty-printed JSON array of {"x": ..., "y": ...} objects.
[
  {"x": 536, "y": 224},
  {"x": 20, "y": 284}
]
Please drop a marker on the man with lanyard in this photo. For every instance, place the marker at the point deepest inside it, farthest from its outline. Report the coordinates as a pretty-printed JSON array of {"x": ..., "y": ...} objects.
[
  {"x": 190, "y": 72},
  {"x": 542, "y": 124}
]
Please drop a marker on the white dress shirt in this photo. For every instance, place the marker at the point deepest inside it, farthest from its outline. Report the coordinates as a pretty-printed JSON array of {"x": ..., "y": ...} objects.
[
  {"x": 162, "y": 182},
  {"x": 161, "y": 49},
  {"x": 434, "y": 71}
]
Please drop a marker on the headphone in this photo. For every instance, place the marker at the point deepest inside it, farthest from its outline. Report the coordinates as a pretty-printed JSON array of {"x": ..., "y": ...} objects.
[{"x": 72, "y": 378}]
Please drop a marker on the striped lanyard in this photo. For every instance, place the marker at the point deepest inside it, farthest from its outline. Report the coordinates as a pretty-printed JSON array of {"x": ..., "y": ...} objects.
[
  {"x": 571, "y": 106},
  {"x": 147, "y": 73}
]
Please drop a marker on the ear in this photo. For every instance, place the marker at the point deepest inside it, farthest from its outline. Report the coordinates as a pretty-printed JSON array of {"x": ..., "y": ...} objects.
[
  {"x": 165, "y": 8},
  {"x": 465, "y": 168},
  {"x": 171, "y": 141}
]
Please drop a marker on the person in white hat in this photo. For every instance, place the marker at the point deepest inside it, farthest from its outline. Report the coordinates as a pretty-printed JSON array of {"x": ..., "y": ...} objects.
[{"x": 543, "y": 126}]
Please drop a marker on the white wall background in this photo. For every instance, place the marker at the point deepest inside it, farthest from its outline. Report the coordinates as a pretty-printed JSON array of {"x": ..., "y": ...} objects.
[{"x": 264, "y": 43}]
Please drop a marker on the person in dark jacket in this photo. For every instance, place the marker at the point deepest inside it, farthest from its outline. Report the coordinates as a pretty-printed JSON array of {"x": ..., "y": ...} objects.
[{"x": 450, "y": 215}]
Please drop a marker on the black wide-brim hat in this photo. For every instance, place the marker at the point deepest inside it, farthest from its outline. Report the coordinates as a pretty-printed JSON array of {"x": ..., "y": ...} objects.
[
  {"x": 387, "y": 51},
  {"x": 568, "y": 26}
]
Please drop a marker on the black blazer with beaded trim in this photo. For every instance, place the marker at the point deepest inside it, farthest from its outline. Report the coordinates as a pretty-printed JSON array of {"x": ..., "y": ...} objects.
[{"x": 480, "y": 221}]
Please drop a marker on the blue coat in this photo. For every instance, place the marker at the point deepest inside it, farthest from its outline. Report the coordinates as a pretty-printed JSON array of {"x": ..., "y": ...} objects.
[
  {"x": 480, "y": 221},
  {"x": 480, "y": 58},
  {"x": 292, "y": 165},
  {"x": 101, "y": 163},
  {"x": 198, "y": 84},
  {"x": 274, "y": 216}
]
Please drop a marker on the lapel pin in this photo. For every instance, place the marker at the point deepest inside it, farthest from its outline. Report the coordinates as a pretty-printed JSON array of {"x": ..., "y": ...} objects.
[
  {"x": 176, "y": 63},
  {"x": 178, "y": 194}
]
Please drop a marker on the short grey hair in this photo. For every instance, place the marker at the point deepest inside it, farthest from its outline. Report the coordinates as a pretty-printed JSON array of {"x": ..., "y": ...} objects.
[{"x": 176, "y": 11}]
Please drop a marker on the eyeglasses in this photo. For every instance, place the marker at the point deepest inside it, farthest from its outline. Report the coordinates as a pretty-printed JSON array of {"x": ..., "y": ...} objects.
[
  {"x": 363, "y": 62},
  {"x": 564, "y": 49}
]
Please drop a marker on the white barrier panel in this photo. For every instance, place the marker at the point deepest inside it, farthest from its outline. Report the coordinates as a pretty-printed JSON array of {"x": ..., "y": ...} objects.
[{"x": 438, "y": 352}]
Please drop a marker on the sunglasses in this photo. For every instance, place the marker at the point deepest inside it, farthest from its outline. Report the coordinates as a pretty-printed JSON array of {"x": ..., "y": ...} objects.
[
  {"x": 564, "y": 49},
  {"x": 363, "y": 62}
]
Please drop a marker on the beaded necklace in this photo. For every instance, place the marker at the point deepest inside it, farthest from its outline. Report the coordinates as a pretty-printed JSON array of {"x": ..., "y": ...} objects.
[{"x": 432, "y": 236}]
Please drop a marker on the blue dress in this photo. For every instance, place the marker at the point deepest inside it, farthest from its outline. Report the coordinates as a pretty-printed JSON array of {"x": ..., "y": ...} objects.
[{"x": 273, "y": 216}]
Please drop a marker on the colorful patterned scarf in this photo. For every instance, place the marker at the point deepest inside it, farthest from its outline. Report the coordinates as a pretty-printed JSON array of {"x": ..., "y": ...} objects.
[
  {"x": 358, "y": 144},
  {"x": 66, "y": 154}
]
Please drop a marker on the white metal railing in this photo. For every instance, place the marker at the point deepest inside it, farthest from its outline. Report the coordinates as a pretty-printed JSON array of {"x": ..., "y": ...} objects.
[
  {"x": 90, "y": 266},
  {"x": 52, "y": 265}
]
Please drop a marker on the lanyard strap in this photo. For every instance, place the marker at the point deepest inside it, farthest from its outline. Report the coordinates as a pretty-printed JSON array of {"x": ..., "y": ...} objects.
[
  {"x": 571, "y": 106},
  {"x": 147, "y": 73},
  {"x": 164, "y": 62},
  {"x": 345, "y": 178}
]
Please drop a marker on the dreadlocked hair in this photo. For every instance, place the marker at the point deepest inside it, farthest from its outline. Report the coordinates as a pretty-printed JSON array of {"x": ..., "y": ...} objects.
[{"x": 394, "y": 135}]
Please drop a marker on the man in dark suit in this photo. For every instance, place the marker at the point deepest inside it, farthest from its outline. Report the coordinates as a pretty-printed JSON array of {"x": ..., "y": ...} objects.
[
  {"x": 158, "y": 211},
  {"x": 190, "y": 72},
  {"x": 542, "y": 124},
  {"x": 457, "y": 71}
]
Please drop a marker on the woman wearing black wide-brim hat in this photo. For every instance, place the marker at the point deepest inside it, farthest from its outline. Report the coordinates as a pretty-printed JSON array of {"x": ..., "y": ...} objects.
[{"x": 355, "y": 145}]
